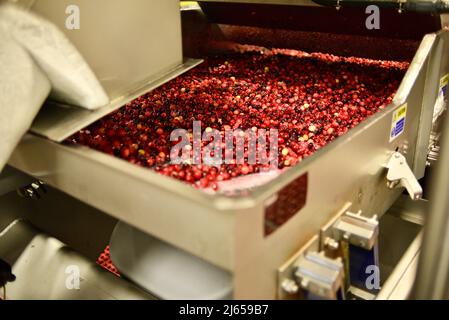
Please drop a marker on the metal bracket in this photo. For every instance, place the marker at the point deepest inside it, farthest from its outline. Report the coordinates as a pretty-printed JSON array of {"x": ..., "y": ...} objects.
[
  {"x": 287, "y": 286},
  {"x": 35, "y": 190},
  {"x": 358, "y": 230},
  {"x": 320, "y": 275},
  {"x": 358, "y": 237},
  {"x": 400, "y": 175},
  {"x": 327, "y": 242}
]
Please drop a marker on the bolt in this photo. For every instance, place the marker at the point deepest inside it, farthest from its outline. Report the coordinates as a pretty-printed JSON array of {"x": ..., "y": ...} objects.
[
  {"x": 290, "y": 286},
  {"x": 35, "y": 190},
  {"x": 331, "y": 243}
]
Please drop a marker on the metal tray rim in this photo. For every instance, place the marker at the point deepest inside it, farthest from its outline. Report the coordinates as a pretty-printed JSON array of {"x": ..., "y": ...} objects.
[{"x": 254, "y": 196}]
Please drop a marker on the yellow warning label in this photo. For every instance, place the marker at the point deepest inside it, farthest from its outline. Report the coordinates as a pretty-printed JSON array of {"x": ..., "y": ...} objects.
[{"x": 398, "y": 122}]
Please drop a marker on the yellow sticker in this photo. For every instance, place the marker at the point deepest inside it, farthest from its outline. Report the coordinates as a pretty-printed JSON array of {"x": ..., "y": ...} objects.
[{"x": 398, "y": 122}]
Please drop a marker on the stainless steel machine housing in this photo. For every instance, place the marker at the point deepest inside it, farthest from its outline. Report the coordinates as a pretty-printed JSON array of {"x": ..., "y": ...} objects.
[{"x": 227, "y": 230}]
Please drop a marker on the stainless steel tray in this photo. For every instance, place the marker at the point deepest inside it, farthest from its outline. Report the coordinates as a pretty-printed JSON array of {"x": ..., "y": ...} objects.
[
  {"x": 228, "y": 230},
  {"x": 57, "y": 122}
]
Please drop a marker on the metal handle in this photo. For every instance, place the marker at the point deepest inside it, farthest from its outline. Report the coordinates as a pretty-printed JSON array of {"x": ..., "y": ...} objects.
[{"x": 400, "y": 174}]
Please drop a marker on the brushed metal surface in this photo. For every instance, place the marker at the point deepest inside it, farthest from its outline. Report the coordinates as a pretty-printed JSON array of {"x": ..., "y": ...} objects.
[
  {"x": 164, "y": 270},
  {"x": 131, "y": 48},
  {"x": 400, "y": 245},
  {"x": 432, "y": 280},
  {"x": 57, "y": 122},
  {"x": 74, "y": 223},
  {"x": 42, "y": 265},
  {"x": 438, "y": 66},
  {"x": 122, "y": 41}
]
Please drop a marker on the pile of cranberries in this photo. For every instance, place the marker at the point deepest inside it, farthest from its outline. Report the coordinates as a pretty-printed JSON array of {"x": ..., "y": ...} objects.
[{"x": 310, "y": 98}]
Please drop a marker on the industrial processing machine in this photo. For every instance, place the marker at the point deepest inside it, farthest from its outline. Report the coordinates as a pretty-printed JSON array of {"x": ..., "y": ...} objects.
[{"x": 343, "y": 223}]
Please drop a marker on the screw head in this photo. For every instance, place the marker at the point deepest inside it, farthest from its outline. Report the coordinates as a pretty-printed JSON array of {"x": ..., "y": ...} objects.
[{"x": 289, "y": 286}]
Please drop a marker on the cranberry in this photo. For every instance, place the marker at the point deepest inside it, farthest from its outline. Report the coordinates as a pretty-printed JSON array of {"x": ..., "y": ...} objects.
[
  {"x": 244, "y": 169},
  {"x": 311, "y": 99},
  {"x": 125, "y": 153}
]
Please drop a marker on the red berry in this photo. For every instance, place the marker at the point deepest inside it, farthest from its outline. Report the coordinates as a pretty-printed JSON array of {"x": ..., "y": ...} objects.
[
  {"x": 310, "y": 99},
  {"x": 125, "y": 152}
]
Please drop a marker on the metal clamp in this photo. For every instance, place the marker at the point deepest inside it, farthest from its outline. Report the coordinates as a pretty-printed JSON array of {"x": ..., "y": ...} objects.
[
  {"x": 400, "y": 175},
  {"x": 320, "y": 275},
  {"x": 35, "y": 190},
  {"x": 357, "y": 230},
  {"x": 288, "y": 288}
]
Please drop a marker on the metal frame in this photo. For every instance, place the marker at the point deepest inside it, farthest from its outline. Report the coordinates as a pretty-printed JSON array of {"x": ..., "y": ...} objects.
[
  {"x": 400, "y": 282},
  {"x": 432, "y": 281},
  {"x": 437, "y": 67}
]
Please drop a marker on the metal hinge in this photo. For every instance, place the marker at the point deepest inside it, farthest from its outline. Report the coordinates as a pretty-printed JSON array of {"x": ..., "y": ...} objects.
[
  {"x": 319, "y": 275},
  {"x": 400, "y": 175}
]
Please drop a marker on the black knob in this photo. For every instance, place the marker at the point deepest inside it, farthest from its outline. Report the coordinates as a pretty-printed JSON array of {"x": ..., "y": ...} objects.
[{"x": 5, "y": 273}]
